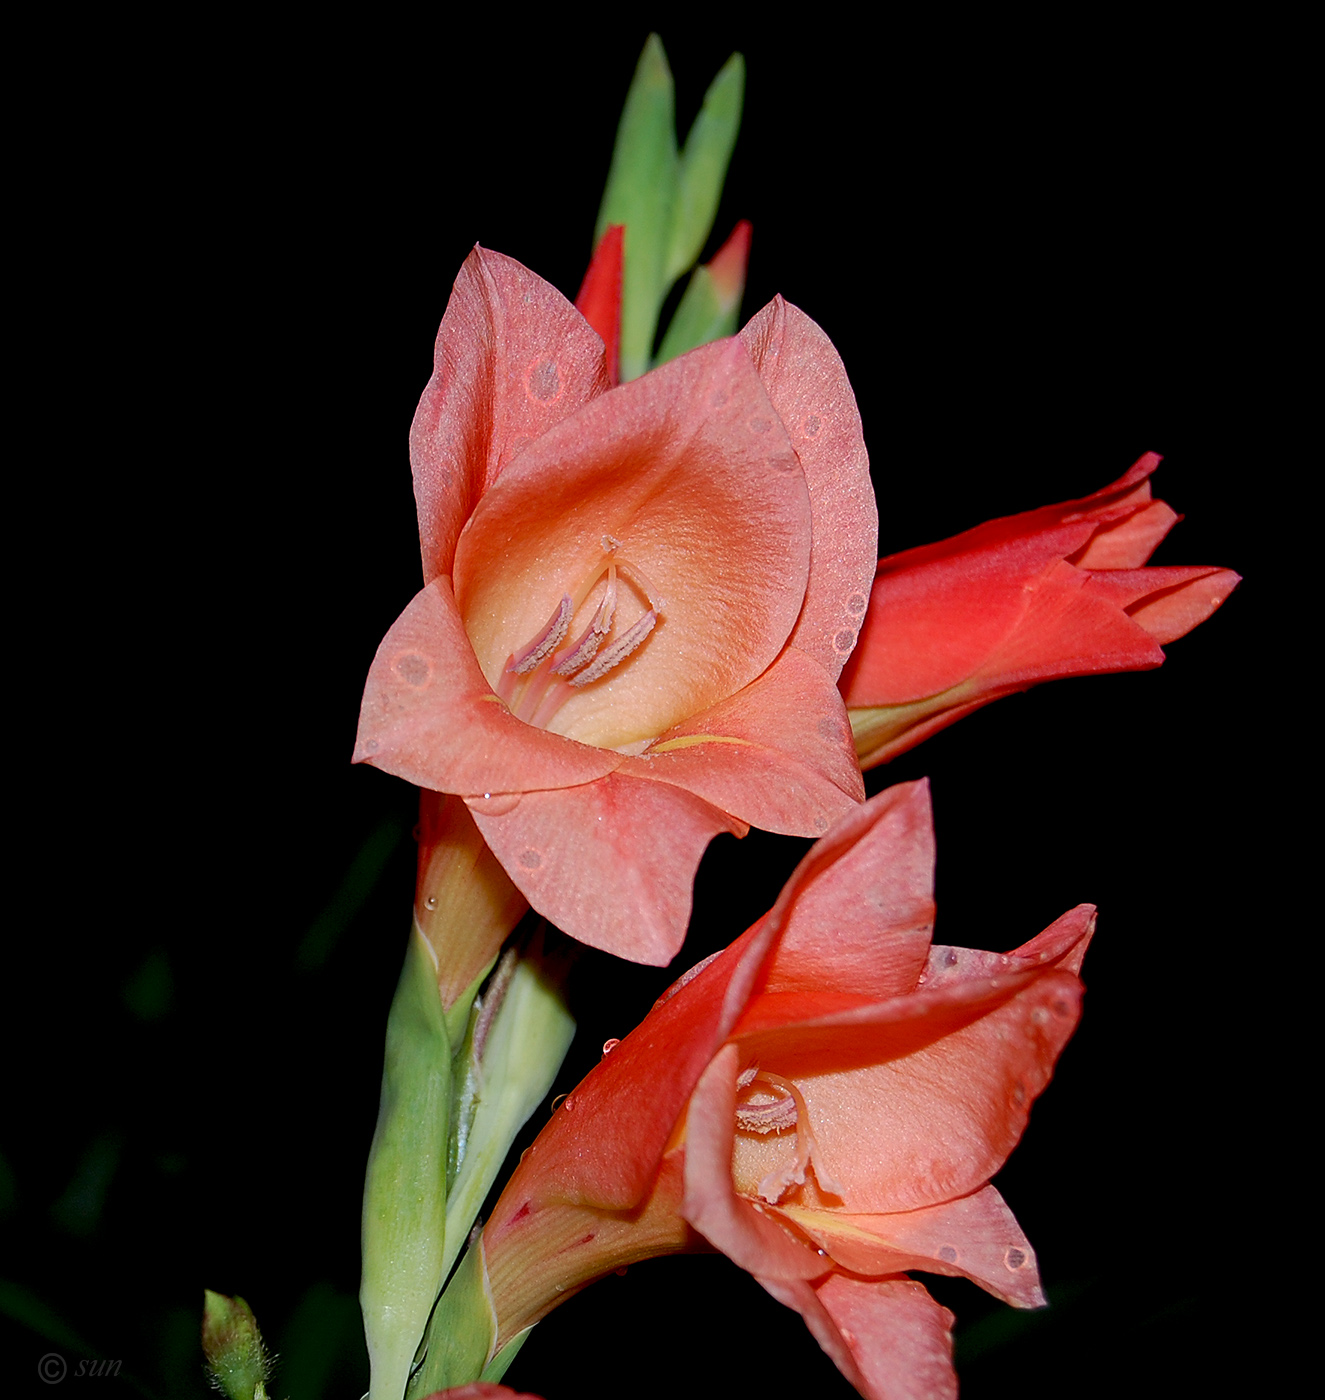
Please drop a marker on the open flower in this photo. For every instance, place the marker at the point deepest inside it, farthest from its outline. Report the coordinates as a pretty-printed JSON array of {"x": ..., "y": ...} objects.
[
  {"x": 1050, "y": 593},
  {"x": 825, "y": 1101},
  {"x": 637, "y": 601}
]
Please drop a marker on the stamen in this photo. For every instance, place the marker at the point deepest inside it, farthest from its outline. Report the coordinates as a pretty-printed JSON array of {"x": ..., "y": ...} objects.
[
  {"x": 619, "y": 650},
  {"x": 524, "y": 661},
  {"x": 595, "y": 634},
  {"x": 774, "y": 1117}
]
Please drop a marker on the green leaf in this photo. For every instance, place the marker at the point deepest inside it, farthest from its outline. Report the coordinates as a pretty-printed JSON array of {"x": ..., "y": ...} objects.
[
  {"x": 703, "y": 168},
  {"x": 701, "y": 317},
  {"x": 520, "y": 1057},
  {"x": 462, "y": 1330},
  {"x": 641, "y": 188},
  {"x": 404, "y": 1206}
]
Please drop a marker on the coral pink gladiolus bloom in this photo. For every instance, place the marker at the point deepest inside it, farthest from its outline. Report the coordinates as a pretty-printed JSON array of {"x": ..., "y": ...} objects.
[
  {"x": 825, "y": 1102},
  {"x": 1050, "y": 593},
  {"x": 637, "y": 601}
]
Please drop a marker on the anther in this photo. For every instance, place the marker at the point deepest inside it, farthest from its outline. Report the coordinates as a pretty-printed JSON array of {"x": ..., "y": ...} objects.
[
  {"x": 547, "y": 641},
  {"x": 619, "y": 650}
]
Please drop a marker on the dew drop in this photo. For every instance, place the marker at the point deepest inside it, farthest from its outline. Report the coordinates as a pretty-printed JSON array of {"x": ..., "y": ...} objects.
[
  {"x": 844, "y": 639},
  {"x": 430, "y": 902},
  {"x": 948, "y": 1254},
  {"x": 530, "y": 860},
  {"x": 1015, "y": 1258},
  {"x": 569, "y": 1104},
  {"x": 951, "y": 958},
  {"x": 812, "y": 425},
  {"x": 495, "y": 804},
  {"x": 857, "y": 604},
  {"x": 610, "y": 1045}
]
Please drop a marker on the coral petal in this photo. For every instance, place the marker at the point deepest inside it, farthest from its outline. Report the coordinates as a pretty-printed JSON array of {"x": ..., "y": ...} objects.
[
  {"x": 430, "y": 717},
  {"x": 613, "y": 860},
  {"x": 975, "y": 1237},
  {"x": 888, "y": 1337},
  {"x": 808, "y": 385},
  {"x": 1128, "y": 543},
  {"x": 751, "y": 1238},
  {"x": 938, "y": 1085},
  {"x": 865, "y": 931},
  {"x": 758, "y": 756},
  {"x": 690, "y": 469},
  {"x": 1062, "y": 944},
  {"x": 513, "y": 357},
  {"x": 1167, "y": 603}
]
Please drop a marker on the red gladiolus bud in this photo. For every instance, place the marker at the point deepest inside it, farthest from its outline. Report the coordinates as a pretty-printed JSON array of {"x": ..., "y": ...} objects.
[{"x": 1050, "y": 593}]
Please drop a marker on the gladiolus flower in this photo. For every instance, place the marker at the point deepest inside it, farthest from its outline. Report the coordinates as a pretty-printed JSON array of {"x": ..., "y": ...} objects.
[
  {"x": 1050, "y": 593},
  {"x": 825, "y": 1101},
  {"x": 637, "y": 601}
]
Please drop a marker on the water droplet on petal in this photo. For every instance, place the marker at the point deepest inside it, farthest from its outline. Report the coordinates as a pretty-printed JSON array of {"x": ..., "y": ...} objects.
[
  {"x": 530, "y": 859},
  {"x": 430, "y": 902},
  {"x": 1015, "y": 1258},
  {"x": 948, "y": 1254},
  {"x": 610, "y": 1045}
]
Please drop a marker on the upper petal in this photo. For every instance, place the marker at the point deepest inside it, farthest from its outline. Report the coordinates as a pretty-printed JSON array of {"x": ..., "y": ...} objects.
[
  {"x": 920, "y": 1099},
  {"x": 611, "y": 862},
  {"x": 512, "y": 358},
  {"x": 603, "y": 1146},
  {"x": 689, "y": 469},
  {"x": 430, "y": 717},
  {"x": 861, "y": 930},
  {"x": 808, "y": 385}
]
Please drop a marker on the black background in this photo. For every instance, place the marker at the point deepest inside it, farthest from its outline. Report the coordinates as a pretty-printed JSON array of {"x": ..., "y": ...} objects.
[{"x": 1040, "y": 254}]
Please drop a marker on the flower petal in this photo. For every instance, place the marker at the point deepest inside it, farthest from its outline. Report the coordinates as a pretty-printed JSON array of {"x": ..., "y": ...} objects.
[
  {"x": 631, "y": 1106},
  {"x": 808, "y": 385},
  {"x": 864, "y": 933},
  {"x": 1062, "y": 944},
  {"x": 920, "y": 1099},
  {"x": 757, "y": 1241},
  {"x": 888, "y": 1337},
  {"x": 1129, "y": 542},
  {"x": 611, "y": 862},
  {"x": 512, "y": 358},
  {"x": 1167, "y": 603},
  {"x": 428, "y": 715},
  {"x": 777, "y": 754},
  {"x": 975, "y": 1237},
  {"x": 691, "y": 471}
]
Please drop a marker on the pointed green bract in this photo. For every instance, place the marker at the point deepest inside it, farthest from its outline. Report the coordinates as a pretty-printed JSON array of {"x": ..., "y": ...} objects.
[
  {"x": 462, "y": 1331},
  {"x": 641, "y": 187},
  {"x": 666, "y": 201},
  {"x": 237, "y": 1361},
  {"x": 404, "y": 1207},
  {"x": 520, "y": 1057},
  {"x": 703, "y": 167},
  {"x": 701, "y": 317}
]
